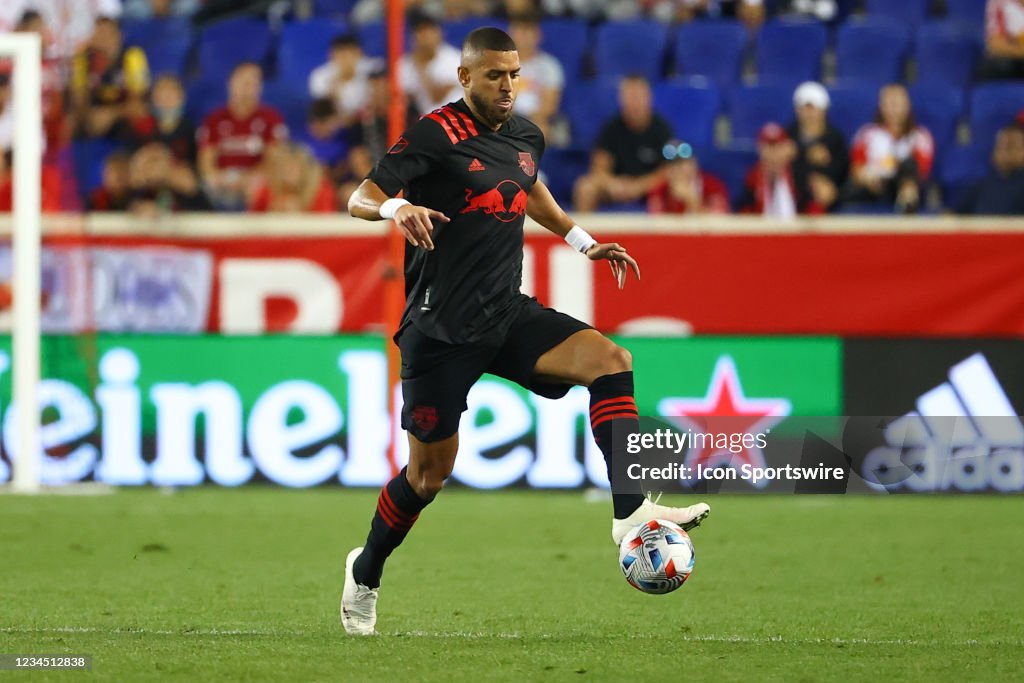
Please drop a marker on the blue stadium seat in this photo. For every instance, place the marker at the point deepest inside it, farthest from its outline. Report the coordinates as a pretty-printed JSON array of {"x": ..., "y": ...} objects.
[
  {"x": 562, "y": 167},
  {"x": 853, "y": 105},
  {"x": 146, "y": 32},
  {"x": 938, "y": 108},
  {"x": 336, "y": 9},
  {"x": 224, "y": 45},
  {"x": 791, "y": 50},
  {"x": 456, "y": 31},
  {"x": 88, "y": 155},
  {"x": 752, "y": 106},
  {"x": 902, "y": 12},
  {"x": 202, "y": 97},
  {"x": 588, "y": 105},
  {"x": 994, "y": 106},
  {"x": 959, "y": 167},
  {"x": 946, "y": 53},
  {"x": 167, "y": 57},
  {"x": 711, "y": 48},
  {"x": 691, "y": 107},
  {"x": 567, "y": 41},
  {"x": 630, "y": 47},
  {"x": 305, "y": 46},
  {"x": 871, "y": 51},
  {"x": 291, "y": 99},
  {"x": 374, "y": 39},
  {"x": 731, "y": 164},
  {"x": 971, "y": 12}
]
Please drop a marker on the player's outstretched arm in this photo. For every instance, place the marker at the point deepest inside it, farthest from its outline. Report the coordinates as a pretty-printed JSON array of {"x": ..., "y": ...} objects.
[
  {"x": 370, "y": 203},
  {"x": 542, "y": 207}
]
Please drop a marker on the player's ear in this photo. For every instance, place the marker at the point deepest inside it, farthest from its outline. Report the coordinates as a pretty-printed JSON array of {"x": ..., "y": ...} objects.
[{"x": 463, "y": 77}]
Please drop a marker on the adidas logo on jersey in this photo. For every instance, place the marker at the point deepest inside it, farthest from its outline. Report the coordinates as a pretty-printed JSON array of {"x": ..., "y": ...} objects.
[
  {"x": 965, "y": 435},
  {"x": 475, "y": 165}
]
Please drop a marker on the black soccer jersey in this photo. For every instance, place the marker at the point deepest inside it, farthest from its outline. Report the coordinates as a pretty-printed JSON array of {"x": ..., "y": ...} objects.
[{"x": 480, "y": 179}]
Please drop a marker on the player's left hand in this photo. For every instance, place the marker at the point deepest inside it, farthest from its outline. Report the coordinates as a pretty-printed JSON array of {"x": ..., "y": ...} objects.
[{"x": 617, "y": 258}]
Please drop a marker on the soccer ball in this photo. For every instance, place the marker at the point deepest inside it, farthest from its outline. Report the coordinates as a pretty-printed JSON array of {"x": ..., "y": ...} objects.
[{"x": 656, "y": 557}]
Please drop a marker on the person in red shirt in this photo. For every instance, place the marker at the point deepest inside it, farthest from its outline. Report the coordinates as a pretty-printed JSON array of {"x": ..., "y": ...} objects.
[
  {"x": 1004, "y": 39},
  {"x": 891, "y": 158},
  {"x": 770, "y": 189},
  {"x": 234, "y": 138},
  {"x": 685, "y": 187},
  {"x": 294, "y": 181}
]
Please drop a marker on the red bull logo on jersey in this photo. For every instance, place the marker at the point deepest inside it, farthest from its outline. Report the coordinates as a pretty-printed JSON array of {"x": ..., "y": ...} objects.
[{"x": 506, "y": 202}]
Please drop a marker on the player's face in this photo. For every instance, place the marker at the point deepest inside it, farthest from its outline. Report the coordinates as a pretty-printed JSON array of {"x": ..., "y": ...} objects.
[{"x": 491, "y": 82}]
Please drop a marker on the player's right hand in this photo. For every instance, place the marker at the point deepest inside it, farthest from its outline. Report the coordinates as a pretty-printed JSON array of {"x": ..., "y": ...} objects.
[{"x": 415, "y": 223}]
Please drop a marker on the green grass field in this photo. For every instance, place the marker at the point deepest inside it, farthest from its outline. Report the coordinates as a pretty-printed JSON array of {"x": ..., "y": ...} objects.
[{"x": 225, "y": 585}]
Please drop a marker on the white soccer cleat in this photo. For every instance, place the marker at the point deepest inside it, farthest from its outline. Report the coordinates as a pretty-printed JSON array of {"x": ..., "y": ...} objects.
[
  {"x": 358, "y": 603},
  {"x": 688, "y": 517}
]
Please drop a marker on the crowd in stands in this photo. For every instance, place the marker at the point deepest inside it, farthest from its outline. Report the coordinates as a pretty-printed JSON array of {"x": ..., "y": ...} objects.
[{"x": 766, "y": 107}]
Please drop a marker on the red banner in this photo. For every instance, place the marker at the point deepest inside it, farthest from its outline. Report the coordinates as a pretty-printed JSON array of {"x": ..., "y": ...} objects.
[{"x": 895, "y": 284}]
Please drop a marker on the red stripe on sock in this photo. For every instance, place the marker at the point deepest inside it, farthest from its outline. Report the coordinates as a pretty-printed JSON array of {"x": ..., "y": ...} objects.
[
  {"x": 444, "y": 124},
  {"x": 612, "y": 401},
  {"x": 385, "y": 515},
  {"x": 613, "y": 416},
  {"x": 399, "y": 514},
  {"x": 621, "y": 405}
]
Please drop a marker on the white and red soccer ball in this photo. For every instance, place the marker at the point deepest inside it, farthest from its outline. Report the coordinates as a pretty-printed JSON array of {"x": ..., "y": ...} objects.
[{"x": 656, "y": 557}]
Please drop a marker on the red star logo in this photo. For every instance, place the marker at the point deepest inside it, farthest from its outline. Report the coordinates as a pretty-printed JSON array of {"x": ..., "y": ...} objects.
[{"x": 726, "y": 410}]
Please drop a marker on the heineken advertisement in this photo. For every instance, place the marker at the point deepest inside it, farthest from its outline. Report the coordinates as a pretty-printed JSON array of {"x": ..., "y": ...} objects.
[{"x": 306, "y": 411}]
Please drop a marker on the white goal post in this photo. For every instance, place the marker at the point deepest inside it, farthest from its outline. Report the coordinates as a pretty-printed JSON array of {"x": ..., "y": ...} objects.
[{"x": 26, "y": 51}]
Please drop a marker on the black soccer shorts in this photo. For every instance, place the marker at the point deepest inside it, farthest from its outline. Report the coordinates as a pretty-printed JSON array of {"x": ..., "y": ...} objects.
[{"x": 437, "y": 376}]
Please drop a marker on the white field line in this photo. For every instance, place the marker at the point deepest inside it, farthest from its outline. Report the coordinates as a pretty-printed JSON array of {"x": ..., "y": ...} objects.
[{"x": 481, "y": 635}]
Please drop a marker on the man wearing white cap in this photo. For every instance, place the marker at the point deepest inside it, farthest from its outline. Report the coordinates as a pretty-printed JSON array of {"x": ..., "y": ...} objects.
[{"x": 822, "y": 160}]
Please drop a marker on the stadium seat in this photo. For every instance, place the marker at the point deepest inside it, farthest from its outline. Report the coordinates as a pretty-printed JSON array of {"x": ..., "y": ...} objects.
[
  {"x": 731, "y": 164},
  {"x": 291, "y": 98},
  {"x": 456, "y": 31},
  {"x": 561, "y": 168},
  {"x": 938, "y": 108},
  {"x": 630, "y": 47},
  {"x": 971, "y": 12},
  {"x": 871, "y": 51},
  {"x": 691, "y": 106},
  {"x": 853, "y": 105},
  {"x": 588, "y": 105},
  {"x": 752, "y": 106},
  {"x": 790, "y": 50},
  {"x": 304, "y": 46},
  {"x": 167, "y": 57},
  {"x": 88, "y": 155},
  {"x": 374, "y": 39},
  {"x": 902, "y": 12},
  {"x": 711, "y": 48},
  {"x": 994, "y": 106},
  {"x": 202, "y": 97},
  {"x": 946, "y": 53},
  {"x": 959, "y": 167},
  {"x": 567, "y": 41},
  {"x": 225, "y": 44},
  {"x": 335, "y": 9},
  {"x": 147, "y": 32}
]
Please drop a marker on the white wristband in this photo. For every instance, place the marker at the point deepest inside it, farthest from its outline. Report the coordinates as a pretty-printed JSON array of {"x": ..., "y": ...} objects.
[
  {"x": 390, "y": 207},
  {"x": 579, "y": 239}
]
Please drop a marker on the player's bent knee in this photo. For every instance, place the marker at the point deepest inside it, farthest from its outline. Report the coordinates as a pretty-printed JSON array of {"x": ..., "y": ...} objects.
[{"x": 618, "y": 359}]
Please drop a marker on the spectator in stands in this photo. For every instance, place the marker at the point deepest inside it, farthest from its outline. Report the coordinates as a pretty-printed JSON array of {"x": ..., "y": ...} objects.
[
  {"x": 344, "y": 79},
  {"x": 822, "y": 10},
  {"x": 233, "y": 139},
  {"x": 686, "y": 188},
  {"x": 750, "y": 12},
  {"x": 1004, "y": 39},
  {"x": 822, "y": 160},
  {"x": 108, "y": 82},
  {"x": 70, "y": 23},
  {"x": 429, "y": 73},
  {"x": 628, "y": 161},
  {"x": 293, "y": 181},
  {"x": 1001, "y": 193},
  {"x": 160, "y": 9},
  {"x": 166, "y": 122},
  {"x": 161, "y": 185},
  {"x": 892, "y": 157},
  {"x": 114, "y": 194},
  {"x": 541, "y": 78},
  {"x": 770, "y": 189}
]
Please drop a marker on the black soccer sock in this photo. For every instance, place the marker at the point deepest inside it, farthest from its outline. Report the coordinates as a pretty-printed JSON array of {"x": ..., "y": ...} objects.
[
  {"x": 398, "y": 507},
  {"x": 612, "y": 408}
]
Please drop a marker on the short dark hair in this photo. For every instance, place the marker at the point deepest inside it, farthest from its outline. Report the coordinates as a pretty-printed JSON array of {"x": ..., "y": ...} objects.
[
  {"x": 345, "y": 40},
  {"x": 243, "y": 64},
  {"x": 418, "y": 20},
  {"x": 27, "y": 17},
  {"x": 488, "y": 38}
]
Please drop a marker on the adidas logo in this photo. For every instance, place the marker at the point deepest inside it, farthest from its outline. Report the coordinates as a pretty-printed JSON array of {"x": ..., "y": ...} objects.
[
  {"x": 475, "y": 165},
  {"x": 964, "y": 435}
]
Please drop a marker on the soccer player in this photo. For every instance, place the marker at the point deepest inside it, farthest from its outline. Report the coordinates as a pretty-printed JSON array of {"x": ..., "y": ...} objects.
[{"x": 468, "y": 172}]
